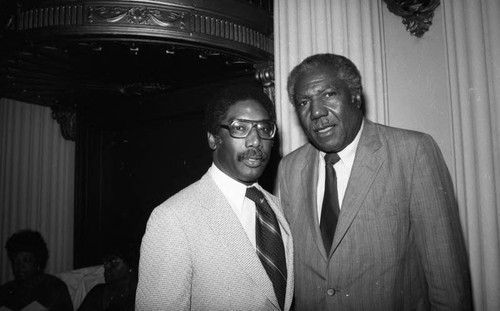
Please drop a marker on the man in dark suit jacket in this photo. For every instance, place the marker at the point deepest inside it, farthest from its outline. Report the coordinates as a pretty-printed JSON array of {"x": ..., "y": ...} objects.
[{"x": 397, "y": 244}]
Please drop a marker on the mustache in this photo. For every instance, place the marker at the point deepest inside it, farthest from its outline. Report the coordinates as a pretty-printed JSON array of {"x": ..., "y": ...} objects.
[
  {"x": 321, "y": 124},
  {"x": 252, "y": 153}
]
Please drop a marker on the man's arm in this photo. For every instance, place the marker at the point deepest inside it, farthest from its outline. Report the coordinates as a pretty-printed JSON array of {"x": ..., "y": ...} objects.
[
  {"x": 435, "y": 221},
  {"x": 165, "y": 270}
]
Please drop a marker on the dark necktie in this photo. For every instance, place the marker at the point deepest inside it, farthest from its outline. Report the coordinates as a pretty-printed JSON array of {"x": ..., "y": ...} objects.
[
  {"x": 330, "y": 210},
  {"x": 270, "y": 247}
]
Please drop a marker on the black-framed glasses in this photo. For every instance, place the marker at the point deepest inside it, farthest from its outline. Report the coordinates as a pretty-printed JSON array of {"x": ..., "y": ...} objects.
[{"x": 240, "y": 128}]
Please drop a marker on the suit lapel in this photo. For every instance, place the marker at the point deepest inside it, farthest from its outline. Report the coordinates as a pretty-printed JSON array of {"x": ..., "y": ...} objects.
[
  {"x": 288, "y": 243},
  {"x": 309, "y": 189},
  {"x": 366, "y": 165},
  {"x": 227, "y": 227}
]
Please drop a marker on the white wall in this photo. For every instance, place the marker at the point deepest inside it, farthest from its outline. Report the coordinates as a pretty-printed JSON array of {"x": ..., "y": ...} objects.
[{"x": 417, "y": 81}]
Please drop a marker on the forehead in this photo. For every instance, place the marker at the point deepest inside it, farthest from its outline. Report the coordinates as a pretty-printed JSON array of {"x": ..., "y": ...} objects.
[
  {"x": 317, "y": 79},
  {"x": 24, "y": 255},
  {"x": 248, "y": 109}
]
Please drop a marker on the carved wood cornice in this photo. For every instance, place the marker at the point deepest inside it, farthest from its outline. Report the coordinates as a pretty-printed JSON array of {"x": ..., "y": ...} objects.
[
  {"x": 154, "y": 21},
  {"x": 264, "y": 73},
  {"x": 67, "y": 121},
  {"x": 137, "y": 15},
  {"x": 56, "y": 52}
]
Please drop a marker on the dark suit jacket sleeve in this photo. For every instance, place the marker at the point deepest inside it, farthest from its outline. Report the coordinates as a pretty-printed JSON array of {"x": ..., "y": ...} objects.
[{"x": 437, "y": 230}]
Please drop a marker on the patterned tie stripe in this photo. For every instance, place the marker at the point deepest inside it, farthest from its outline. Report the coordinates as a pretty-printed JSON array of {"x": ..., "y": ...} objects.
[
  {"x": 273, "y": 252},
  {"x": 270, "y": 247}
]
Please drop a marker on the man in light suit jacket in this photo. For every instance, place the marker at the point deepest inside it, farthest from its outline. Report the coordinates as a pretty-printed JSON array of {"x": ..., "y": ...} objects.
[
  {"x": 206, "y": 247},
  {"x": 397, "y": 242}
]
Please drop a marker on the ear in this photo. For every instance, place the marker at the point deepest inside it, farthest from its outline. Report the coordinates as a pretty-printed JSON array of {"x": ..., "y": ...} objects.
[
  {"x": 356, "y": 98},
  {"x": 213, "y": 141}
]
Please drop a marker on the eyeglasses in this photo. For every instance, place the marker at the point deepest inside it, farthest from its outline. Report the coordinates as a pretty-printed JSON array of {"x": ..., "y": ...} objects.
[{"x": 240, "y": 128}]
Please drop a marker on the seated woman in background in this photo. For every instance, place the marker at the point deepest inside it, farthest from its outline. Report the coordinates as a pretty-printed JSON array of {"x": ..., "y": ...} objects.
[
  {"x": 32, "y": 287},
  {"x": 120, "y": 275}
]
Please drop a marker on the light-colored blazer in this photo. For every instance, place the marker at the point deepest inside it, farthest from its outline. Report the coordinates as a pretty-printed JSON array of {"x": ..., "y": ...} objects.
[
  {"x": 398, "y": 242},
  {"x": 195, "y": 255}
]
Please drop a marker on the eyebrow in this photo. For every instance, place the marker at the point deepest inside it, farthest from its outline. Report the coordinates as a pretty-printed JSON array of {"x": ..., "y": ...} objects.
[
  {"x": 240, "y": 119},
  {"x": 317, "y": 91}
]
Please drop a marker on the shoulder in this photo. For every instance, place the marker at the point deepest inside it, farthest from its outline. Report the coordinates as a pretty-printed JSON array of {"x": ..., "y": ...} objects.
[
  {"x": 270, "y": 196},
  {"x": 396, "y": 132},
  {"x": 51, "y": 281},
  {"x": 299, "y": 156},
  {"x": 7, "y": 285},
  {"x": 5, "y": 288},
  {"x": 186, "y": 198},
  {"x": 396, "y": 138},
  {"x": 399, "y": 145},
  {"x": 54, "y": 287},
  {"x": 54, "y": 293},
  {"x": 93, "y": 299},
  {"x": 187, "y": 204}
]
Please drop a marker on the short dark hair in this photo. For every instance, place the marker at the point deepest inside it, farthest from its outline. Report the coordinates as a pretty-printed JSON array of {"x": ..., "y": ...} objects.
[
  {"x": 345, "y": 68},
  {"x": 28, "y": 241},
  {"x": 219, "y": 104}
]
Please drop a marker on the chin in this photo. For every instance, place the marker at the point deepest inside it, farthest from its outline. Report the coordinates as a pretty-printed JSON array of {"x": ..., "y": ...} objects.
[
  {"x": 253, "y": 176},
  {"x": 326, "y": 147}
]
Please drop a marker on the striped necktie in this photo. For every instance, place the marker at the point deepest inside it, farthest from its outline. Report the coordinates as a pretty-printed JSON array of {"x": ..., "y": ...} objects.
[{"x": 270, "y": 247}]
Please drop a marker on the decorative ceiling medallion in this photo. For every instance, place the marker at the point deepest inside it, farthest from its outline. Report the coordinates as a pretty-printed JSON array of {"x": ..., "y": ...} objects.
[
  {"x": 137, "y": 15},
  {"x": 417, "y": 14}
]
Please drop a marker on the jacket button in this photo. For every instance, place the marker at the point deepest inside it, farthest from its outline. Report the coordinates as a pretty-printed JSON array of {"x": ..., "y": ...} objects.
[{"x": 330, "y": 292}]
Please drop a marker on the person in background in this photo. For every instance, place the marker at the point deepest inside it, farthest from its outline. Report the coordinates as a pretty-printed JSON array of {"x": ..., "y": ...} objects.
[
  {"x": 372, "y": 208},
  {"x": 222, "y": 243},
  {"x": 120, "y": 275},
  {"x": 32, "y": 288}
]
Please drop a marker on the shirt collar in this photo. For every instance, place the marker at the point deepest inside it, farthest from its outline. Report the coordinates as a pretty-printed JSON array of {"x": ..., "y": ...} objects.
[{"x": 233, "y": 190}]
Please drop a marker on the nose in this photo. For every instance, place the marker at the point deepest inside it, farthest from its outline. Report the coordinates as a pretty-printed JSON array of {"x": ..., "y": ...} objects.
[
  {"x": 318, "y": 110},
  {"x": 253, "y": 139}
]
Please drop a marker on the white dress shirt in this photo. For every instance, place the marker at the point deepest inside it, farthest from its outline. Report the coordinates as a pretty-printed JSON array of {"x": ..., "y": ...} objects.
[
  {"x": 243, "y": 207},
  {"x": 342, "y": 169}
]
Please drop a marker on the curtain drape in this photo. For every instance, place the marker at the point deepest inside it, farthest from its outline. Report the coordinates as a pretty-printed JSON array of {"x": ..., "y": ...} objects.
[
  {"x": 473, "y": 47},
  {"x": 36, "y": 182}
]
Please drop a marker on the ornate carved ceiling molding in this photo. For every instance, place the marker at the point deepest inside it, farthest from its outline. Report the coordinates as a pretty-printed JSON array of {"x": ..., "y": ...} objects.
[
  {"x": 54, "y": 51},
  {"x": 417, "y": 14},
  {"x": 137, "y": 15},
  {"x": 183, "y": 22}
]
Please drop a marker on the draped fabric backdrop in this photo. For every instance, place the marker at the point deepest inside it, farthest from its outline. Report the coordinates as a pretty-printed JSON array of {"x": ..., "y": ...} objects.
[
  {"x": 471, "y": 36},
  {"x": 350, "y": 28},
  {"x": 473, "y": 46},
  {"x": 36, "y": 182}
]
